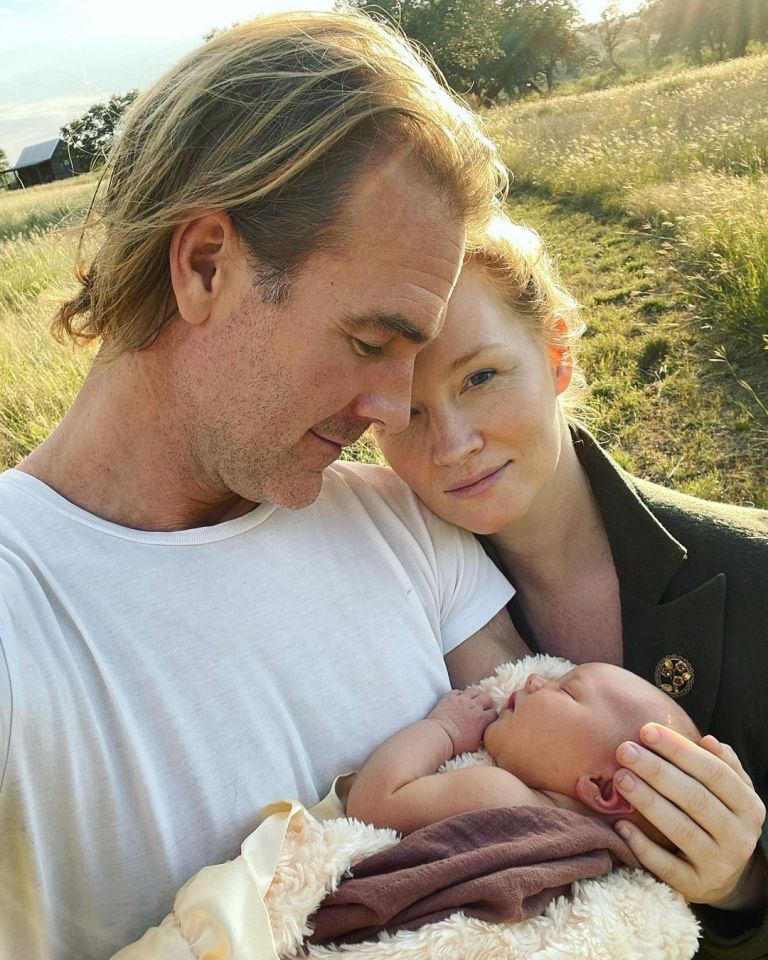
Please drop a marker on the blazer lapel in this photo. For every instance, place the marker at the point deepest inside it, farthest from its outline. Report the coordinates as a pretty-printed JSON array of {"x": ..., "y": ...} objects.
[
  {"x": 662, "y": 614},
  {"x": 691, "y": 626}
]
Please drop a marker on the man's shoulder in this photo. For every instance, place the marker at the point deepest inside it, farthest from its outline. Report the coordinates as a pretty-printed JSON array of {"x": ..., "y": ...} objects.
[
  {"x": 17, "y": 510},
  {"x": 377, "y": 475},
  {"x": 11, "y": 485},
  {"x": 389, "y": 501},
  {"x": 21, "y": 497},
  {"x": 369, "y": 481}
]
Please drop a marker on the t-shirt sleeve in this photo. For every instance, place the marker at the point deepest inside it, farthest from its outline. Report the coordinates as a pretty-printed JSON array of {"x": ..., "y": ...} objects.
[
  {"x": 472, "y": 589},
  {"x": 460, "y": 588},
  {"x": 6, "y": 703}
]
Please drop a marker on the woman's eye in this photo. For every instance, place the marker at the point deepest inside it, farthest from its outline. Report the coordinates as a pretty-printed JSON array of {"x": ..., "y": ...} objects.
[
  {"x": 363, "y": 349},
  {"x": 479, "y": 378}
]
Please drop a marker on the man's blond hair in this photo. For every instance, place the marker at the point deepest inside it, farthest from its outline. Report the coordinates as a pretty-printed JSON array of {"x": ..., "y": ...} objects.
[{"x": 269, "y": 121}]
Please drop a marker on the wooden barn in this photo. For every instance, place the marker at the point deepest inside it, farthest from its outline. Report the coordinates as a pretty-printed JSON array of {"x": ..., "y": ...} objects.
[{"x": 43, "y": 163}]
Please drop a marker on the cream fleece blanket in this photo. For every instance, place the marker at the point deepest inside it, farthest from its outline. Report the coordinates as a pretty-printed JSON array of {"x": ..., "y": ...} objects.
[{"x": 257, "y": 906}]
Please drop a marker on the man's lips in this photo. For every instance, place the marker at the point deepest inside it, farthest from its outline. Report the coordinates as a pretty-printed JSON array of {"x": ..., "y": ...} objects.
[
  {"x": 479, "y": 483},
  {"x": 348, "y": 438},
  {"x": 332, "y": 446}
]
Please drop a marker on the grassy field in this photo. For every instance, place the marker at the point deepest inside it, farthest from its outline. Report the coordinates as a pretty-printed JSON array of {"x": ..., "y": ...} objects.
[
  {"x": 38, "y": 377},
  {"x": 684, "y": 158},
  {"x": 653, "y": 199}
]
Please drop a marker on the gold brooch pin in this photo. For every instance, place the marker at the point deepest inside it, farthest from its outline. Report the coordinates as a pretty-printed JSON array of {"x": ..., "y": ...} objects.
[{"x": 674, "y": 675}]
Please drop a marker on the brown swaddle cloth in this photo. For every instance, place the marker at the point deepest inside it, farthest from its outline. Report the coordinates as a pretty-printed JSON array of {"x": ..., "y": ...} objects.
[{"x": 501, "y": 864}]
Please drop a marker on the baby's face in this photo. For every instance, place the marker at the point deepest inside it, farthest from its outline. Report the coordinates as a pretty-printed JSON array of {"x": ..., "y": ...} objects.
[{"x": 554, "y": 731}]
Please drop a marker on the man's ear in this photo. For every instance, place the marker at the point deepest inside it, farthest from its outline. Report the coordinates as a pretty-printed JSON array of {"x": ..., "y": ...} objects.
[
  {"x": 201, "y": 251},
  {"x": 599, "y": 793}
]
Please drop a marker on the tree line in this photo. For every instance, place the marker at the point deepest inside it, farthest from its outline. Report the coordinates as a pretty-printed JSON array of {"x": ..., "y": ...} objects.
[
  {"x": 494, "y": 49},
  {"x": 719, "y": 29}
]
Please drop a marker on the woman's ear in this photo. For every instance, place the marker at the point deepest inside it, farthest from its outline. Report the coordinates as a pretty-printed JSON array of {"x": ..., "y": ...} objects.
[
  {"x": 200, "y": 251},
  {"x": 599, "y": 793},
  {"x": 560, "y": 356},
  {"x": 562, "y": 361}
]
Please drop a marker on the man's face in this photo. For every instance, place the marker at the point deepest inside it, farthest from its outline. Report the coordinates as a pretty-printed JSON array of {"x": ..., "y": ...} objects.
[{"x": 277, "y": 391}]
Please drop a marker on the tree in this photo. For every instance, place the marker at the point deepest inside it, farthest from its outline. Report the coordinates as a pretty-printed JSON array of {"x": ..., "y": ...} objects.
[
  {"x": 537, "y": 35},
  {"x": 3, "y": 168},
  {"x": 611, "y": 30},
  {"x": 643, "y": 26},
  {"x": 717, "y": 29},
  {"x": 490, "y": 47},
  {"x": 459, "y": 35},
  {"x": 90, "y": 136}
]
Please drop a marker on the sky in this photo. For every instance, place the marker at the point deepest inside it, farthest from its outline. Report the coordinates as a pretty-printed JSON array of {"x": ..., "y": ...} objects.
[{"x": 57, "y": 57}]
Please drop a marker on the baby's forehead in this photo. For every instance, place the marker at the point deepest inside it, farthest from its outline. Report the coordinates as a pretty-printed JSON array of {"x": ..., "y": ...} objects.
[
  {"x": 597, "y": 673},
  {"x": 613, "y": 684},
  {"x": 620, "y": 689},
  {"x": 608, "y": 673}
]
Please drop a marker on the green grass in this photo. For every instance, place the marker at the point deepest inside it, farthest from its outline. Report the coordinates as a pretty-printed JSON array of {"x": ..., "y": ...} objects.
[
  {"x": 661, "y": 397},
  {"x": 684, "y": 157},
  {"x": 38, "y": 377},
  {"x": 26, "y": 213}
]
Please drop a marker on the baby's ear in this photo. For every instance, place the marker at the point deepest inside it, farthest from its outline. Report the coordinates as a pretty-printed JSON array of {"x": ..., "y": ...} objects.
[{"x": 599, "y": 793}]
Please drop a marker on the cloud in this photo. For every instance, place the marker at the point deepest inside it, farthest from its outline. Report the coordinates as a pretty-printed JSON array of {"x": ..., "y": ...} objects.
[
  {"x": 63, "y": 55},
  {"x": 53, "y": 106},
  {"x": 23, "y": 124}
]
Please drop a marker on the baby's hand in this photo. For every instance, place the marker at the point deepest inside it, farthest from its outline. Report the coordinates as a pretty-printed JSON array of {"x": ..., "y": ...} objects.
[{"x": 464, "y": 715}]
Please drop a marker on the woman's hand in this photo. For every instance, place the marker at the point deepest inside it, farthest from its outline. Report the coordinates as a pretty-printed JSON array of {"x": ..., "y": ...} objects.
[{"x": 699, "y": 796}]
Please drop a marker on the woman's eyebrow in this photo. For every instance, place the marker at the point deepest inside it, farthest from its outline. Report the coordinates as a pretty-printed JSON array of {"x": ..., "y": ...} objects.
[{"x": 468, "y": 357}]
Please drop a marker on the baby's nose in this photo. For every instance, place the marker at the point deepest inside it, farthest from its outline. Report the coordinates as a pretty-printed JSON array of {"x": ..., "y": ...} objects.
[{"x": 534, "y": 682}]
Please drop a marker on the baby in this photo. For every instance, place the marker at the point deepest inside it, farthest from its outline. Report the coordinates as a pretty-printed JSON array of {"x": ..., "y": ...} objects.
[{"x": 554, "y": 744}]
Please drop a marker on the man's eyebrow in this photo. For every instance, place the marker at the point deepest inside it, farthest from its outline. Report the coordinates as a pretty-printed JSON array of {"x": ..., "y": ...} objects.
[
  {"x": 467, "y": 357},
  {"x": 389, "y": 323}
]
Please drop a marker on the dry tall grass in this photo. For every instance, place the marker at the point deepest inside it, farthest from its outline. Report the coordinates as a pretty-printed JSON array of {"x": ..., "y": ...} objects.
[
  {"x": 38, "y": 377},
  {"x": 688, "y": 154}
]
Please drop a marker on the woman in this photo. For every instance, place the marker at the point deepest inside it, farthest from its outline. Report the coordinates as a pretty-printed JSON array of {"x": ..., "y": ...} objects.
[{"x": 607, "y": 567}]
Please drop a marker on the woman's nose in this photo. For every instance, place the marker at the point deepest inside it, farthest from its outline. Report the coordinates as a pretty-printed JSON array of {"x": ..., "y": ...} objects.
[
  {"x": 454, "y": 439},
  {"x": 534, "y": 682}
]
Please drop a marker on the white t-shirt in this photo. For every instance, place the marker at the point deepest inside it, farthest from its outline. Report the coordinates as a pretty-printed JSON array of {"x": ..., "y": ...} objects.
[{"x": 157, "y": 689}]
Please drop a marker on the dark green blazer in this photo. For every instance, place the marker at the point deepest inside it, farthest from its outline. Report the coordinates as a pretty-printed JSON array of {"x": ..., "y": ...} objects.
[{"x": 693, "y": 577}]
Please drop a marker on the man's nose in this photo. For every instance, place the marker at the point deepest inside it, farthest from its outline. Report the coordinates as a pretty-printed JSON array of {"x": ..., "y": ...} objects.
[
  {"x": 387, "y": 403},
  {"x": 453, "y": 438}
]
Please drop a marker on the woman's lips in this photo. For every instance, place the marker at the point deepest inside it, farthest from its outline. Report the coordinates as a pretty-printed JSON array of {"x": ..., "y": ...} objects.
[{"x": 475, "y": 487}]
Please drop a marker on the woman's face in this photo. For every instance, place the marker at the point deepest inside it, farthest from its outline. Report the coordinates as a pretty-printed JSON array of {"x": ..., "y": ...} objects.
[{"x": 484, "y": 437}]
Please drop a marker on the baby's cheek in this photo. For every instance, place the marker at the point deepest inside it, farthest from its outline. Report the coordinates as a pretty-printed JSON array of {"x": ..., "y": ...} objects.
[{"x": 489, "y": 737}]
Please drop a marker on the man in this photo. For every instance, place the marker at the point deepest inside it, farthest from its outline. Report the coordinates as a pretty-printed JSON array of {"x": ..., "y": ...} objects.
[{"x": 282, "y": 227}]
